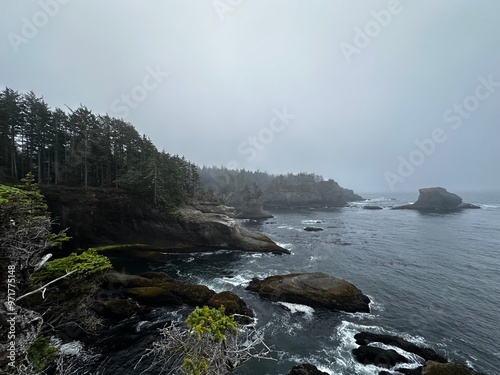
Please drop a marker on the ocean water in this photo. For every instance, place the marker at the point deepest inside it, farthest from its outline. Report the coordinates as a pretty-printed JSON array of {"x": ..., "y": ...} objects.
[{"x": 433, "y": 279}]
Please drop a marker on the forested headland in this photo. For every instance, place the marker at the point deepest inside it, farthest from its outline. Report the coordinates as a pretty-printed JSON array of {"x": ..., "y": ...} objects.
[{"x": 76, "y": 147}]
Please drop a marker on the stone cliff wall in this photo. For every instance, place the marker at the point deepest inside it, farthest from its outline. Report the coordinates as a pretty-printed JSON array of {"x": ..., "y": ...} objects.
[{"x": 109, "y": 216}]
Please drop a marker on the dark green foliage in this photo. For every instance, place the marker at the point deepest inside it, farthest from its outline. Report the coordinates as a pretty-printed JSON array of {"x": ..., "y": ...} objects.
[
  {"x": 81, "y": 148},
  {"x": 41, "y": 353},
  {"x": 88, "y": 262},
  {"x": 25, "y": 227}
]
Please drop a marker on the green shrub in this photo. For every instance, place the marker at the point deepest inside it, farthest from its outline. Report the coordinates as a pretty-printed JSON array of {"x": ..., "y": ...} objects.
[
  {"x": 41, "y": 353},
  {"x": 88, "y": 262},
  {"x": 211, "y": 321}
]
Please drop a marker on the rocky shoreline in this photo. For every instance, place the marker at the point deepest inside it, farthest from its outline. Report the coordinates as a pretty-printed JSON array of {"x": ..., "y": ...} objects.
[
  {"x": 103, "y": 216},
  {"x": 99, "y": 216}
]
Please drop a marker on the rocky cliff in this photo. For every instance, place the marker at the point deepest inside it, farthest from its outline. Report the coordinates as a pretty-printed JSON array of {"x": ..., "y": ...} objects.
[
  {"x": 305, "y": 192},
  {"x": 110, "y": 216}
]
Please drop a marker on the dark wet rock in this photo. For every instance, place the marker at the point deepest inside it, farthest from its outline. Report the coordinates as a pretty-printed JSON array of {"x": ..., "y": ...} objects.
[
  {"x": 159, "y": 289},
  {"x": 233, "y": 305},
  {"x": 372, "y": 207},
  {"x": 437, "y": 199},
  {"x": 153, "y": 296},
  {"x": 191, "y": 294},
  {"x": 157, "y": 276},
  {"x": 305, "y": 369},
  {"x": 436, "y": 368},
  {"x": 371, "y": 355},
  {"x": 116, "y": 281},
  {"x": 407, "y": 371},
  {"x": 313, "y": 229},
  {"x": 365, "y": 338},
  {"x": 312, "y": 289},
  {"x": 70, "y": 331},
  {"x": 404, "y": 371},
  {"x": 117, "y": 308}
]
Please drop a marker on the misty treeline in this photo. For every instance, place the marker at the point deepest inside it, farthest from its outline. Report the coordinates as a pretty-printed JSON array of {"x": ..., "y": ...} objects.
[
  {"x": 223, "y": 182},
  {"x": 79, "y": 148}
]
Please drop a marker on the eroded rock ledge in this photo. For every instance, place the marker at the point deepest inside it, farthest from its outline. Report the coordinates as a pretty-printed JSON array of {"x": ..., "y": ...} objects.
[
  {"x": 111, "y": 216},
  {"x": 312, "y": 289}
]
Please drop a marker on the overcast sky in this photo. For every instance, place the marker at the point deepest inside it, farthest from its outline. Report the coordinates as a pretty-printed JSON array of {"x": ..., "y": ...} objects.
[{"x": 378, "y": 95}]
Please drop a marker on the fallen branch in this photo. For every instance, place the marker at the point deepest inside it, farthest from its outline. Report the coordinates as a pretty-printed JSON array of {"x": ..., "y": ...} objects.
[{"x": 44, "y": 287}]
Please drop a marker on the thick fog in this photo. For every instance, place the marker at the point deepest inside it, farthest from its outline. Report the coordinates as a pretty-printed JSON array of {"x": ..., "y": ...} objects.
[{"x": 378, "y": 95}]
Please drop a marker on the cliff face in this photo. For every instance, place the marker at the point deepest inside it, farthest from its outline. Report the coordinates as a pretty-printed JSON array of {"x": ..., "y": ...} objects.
[
  {"x": 105, "y": 216},
  {"x": 299, "y": 192}
]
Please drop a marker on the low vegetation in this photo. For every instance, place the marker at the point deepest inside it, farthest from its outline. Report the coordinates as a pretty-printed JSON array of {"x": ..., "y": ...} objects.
[{"x": 208, "y": 343}]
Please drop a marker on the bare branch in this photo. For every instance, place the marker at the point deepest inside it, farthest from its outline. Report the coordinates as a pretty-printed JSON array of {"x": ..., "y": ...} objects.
[{"x": 42, "y": 288}]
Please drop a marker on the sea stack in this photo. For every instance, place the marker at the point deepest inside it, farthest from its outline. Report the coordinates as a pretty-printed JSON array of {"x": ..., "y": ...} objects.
[{"x": 437, "y": 199}]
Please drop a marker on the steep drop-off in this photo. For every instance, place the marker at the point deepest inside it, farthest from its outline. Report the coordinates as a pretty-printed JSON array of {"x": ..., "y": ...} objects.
[{"x": 111, "y": 216}]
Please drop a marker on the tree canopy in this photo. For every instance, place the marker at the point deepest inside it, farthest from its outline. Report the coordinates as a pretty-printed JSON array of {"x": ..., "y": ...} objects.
[{"x": 79, "y": 148}]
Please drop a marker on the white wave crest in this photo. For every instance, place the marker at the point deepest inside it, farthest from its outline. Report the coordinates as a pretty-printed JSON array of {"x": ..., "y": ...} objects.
[{"x": 297, "y": 308}]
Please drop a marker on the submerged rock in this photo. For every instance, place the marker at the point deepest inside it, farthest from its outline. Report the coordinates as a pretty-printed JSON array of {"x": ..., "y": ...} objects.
[
  {"x": 437, "y": 199},
  {"x": 312, "y": 289},
  {"x": 372, "y": 208},
  {"x": 313, "y": 229},
  {"x": 305, "y": 369}
]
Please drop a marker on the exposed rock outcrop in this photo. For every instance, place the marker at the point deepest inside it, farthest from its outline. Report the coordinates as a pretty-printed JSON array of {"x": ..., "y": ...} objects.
[
  {"x": 437, "y": 199},
  {"x": 371, "y": 355},
  {"x": 313, "y": 229},
  {"x": 312, "y": 289},
  {"x": 158, "y": 289},
  {"x": 435, "y": 364},
  {"x": 436, "y": 368},
  {"x": 102, "y": 216},
  {"x": 233, "y": 305},
  {"x": 365, "y": 338},
  {"x": 250, "y": 204},
  {"x": 307, "y": 192},
  {"x": 116, "y": 308},
  {"x": 305, "y": 369},
  {"x": 372, "y": 208}
]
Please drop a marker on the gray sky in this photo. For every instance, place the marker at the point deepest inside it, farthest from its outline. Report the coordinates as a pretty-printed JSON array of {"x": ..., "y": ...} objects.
[{"x": 378, "y": 95}]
